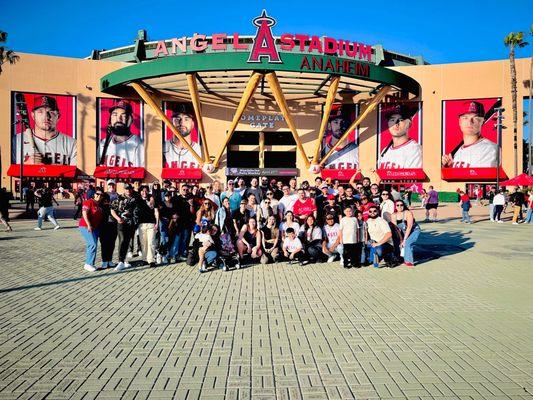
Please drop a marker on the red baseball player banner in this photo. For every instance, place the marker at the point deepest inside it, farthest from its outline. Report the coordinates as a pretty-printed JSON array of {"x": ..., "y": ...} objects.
[
  {"x": 345, "y": 159},
  {"x": 47, "y": 123},
  {"x": 400, "y": 141},
  {"x": 178, "y": 162},
  {"x": 120, "y": 139},
  {"x": 469, "y": 139}
]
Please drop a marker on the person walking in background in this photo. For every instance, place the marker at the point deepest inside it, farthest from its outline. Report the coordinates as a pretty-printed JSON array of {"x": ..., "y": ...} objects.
[
  {"x": 89, "y": 225},
  {"x": 4, "y": 209},
  {"x": 432, "y": 204},
  {"x": 30, "y": 200},
  {"x": 46, "y": 208},
  {"x": 529, "y": 204},
  {"x": 404, "y": 219},
  {"x": 464, "y": 201},
  {"x": 517, "y": 198},
  {"x": 499, "y": 203}
]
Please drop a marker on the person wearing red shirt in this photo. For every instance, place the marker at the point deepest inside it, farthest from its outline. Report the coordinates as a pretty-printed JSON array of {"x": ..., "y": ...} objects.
[
  {"x": 464, "y": 200},
  {"x": 92, "y": 216},
  {"x": 365, "y": 206},
  {"x": 303, "y": 207}
]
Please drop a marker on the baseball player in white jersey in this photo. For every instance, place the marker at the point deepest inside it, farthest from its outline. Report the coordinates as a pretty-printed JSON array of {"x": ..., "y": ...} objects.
[
  {"x": 174, "y": 154},
  {"x": 121, "y": 148},
  {"x": 475, "y": 151},
  {"x": 45, "y": 145},
  {"x": 346, "y": 157},
  {"x": 402, "y": 151}
]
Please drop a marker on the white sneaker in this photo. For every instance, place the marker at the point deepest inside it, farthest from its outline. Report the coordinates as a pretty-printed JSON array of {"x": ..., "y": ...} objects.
[
  {"x": 140, "y": 253},
  {"x": 56, "y": 227},
  {"x": 500, "y": 221},
  {"x": 341, "y": 262},
  {"x": 331, "y": 258},
  {"x": 164, "y": 260},
  {"x": 515, "y": 223},
  {"x": 129, "y": 255},
  {"x": 181, "y": 258},
  {"x": 120, "y": 266},
  {"x": 89, "y": 268},
  {"x": 37, "y": 229},
  {"x": 158, "y": 259},
  {"x": 127, "y": 265}
]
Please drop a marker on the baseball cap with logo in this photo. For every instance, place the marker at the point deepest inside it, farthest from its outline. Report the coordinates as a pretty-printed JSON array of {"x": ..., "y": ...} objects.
[
  {"x": 181, "y": 109},
  {"x": 403, "y": 110},
  {"x": 125, "y": 105},
  {"x": 45, "y": 101},
  {"x": 331, "y": 197},
  {"x": 472, "y": 107}
]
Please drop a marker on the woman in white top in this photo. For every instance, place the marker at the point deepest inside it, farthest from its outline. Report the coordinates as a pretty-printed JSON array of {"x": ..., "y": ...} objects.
[
  {"x": 311, "y": 237},
  {"x": 289, "y": 222},
  {"x": 386, "y": 206},
  {"x": 211, "y": 195}
]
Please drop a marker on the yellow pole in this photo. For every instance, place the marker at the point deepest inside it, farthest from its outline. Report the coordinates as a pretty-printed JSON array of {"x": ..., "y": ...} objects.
[
  {"x": 193, "y": 90},
  {"x": 245, "y": 99},
  {"x": 148, "y": 100},
  {"x": 373, "y": 103},
  {"x": 282, "y": 103},
  {"x": 332, "y": 91}
]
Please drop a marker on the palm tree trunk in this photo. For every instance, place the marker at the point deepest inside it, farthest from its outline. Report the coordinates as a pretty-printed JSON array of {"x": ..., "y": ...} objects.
[{"x": 515, "y": 108}]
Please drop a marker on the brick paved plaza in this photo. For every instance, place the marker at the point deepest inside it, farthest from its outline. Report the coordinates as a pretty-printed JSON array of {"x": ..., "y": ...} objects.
[{"x": 459, "y": 325}]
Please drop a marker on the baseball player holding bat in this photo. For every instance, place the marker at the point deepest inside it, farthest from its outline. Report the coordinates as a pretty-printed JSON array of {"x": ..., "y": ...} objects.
[
  {"x": 121, "y": 148},
  {"x": 474, "y": 151},
  {"x": 44, "y": 144},
  {"x": 402, "y": 151}
]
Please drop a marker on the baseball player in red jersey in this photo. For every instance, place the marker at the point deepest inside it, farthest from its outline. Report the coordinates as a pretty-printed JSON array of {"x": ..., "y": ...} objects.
[
  {"x": 346, "y": 156},
  {"x": 45, "y": 145},
  {"x": 402, "y": 151},
  {"x": 121, "y": 148},
  {"x": 475, "y": 151},
  {"x": 175, "y": 155}
]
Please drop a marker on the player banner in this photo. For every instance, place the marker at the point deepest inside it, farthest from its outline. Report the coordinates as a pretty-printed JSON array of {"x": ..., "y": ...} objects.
[
  {"x": 120, "y": 138},
  {"x": 400, "y": 141},
  {"x": 178, "y": 162},
  {"x": 346, "y": 156},
  {"x": 47, "y": 123},
  {"x": 469, "y": 139}
]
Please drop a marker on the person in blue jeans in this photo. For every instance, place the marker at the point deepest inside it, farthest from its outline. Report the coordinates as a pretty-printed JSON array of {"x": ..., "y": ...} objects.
[
  {"x": 404, "y": 219},
  {"x": 465, "y": 207},
  {"x": 92, "y": 216}
]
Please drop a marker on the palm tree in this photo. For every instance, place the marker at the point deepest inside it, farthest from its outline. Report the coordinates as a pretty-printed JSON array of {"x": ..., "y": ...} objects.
[
  {"x": 6, "y": 55},
  {"x": 513, "y": 40}
]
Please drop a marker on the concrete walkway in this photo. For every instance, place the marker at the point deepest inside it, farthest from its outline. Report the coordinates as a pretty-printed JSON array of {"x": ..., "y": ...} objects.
[{"x": 459, "y": 325}]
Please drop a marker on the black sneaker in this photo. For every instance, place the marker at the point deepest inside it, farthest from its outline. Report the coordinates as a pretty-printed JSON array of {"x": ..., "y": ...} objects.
[
  {"x": 152, "y": 265},
  {"x": 306, "y": 262}
]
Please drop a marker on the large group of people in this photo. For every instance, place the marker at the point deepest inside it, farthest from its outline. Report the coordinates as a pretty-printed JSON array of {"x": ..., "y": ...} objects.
[{"x": 267, "y": 221}]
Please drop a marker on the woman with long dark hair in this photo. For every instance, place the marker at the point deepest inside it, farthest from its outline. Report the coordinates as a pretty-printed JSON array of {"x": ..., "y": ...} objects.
[{"x": 404, "y": 219}]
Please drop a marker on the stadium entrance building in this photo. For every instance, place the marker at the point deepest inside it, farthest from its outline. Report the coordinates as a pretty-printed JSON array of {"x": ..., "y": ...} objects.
[{"x": 203, "y": 107}]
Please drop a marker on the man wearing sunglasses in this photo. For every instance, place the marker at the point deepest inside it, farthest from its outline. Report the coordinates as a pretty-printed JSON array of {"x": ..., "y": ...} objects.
[{"x": 380, "y": 236}]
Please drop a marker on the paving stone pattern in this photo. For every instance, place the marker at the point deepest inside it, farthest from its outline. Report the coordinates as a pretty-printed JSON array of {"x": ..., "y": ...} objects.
[{"x": 459, "y": 325}]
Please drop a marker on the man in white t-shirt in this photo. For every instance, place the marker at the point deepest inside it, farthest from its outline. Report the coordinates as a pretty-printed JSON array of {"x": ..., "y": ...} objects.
[
  {"x": 121, "y": 148},
  {"x": 402, "y": 151},
  {"x": 292, "y": 246},
  {"x": 475, "y": 151},
  {"x": 381, "y": 237},
  {"x": 175, "y": 155},
  {"x": 332, "y": 246},
  {"x": 45, "y": 144},
  {"x": 286, "y": 203}
]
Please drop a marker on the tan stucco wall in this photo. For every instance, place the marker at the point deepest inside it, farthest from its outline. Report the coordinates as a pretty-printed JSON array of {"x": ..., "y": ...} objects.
[{"x": 56, "y": 75}]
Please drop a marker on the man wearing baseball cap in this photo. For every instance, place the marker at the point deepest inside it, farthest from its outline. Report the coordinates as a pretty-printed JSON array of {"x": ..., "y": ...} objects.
[
  {"x": 121, "y": 148},
  {"x": 346, "y": 155},
  {"x": 475, "y": 151},
  {"x": 175, "y": 155},
  {"x": 402, "y": 151},
  {"x": 45, "y": 144}
]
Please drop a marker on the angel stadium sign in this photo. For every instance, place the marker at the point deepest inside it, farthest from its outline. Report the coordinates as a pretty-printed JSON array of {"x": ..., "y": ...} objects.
[{"x": 265, "y": 47}]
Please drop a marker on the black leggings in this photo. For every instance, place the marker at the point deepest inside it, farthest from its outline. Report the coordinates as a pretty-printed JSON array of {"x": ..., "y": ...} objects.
[
  {"x": 352, "y": 254},
  {"x": 125, "y": 234},
  {"x": 108, "y": 236}
]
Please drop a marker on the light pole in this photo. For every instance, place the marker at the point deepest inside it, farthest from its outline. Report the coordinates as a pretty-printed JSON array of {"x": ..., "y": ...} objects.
[{"x": 498, "y": 126}]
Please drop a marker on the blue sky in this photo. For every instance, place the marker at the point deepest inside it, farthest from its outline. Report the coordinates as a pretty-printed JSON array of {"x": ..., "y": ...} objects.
[{"x": 442, "y": 32}]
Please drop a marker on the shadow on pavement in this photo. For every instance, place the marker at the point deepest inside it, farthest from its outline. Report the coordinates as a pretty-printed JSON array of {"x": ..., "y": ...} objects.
[
  {"x": 433, "y": 245},
  {"x": 136, "y": 267}
]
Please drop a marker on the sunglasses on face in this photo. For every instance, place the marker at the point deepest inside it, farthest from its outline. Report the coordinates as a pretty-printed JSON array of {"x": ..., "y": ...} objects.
[
  {"x": 98, "y": 194},
  {"x": 269, "y": 194},
  {"x": 384, "y": 194},
  {"x": 207, "y": 204},
  {"x": 399, "y": 205},
  {"x": 373, "y": 212}
]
